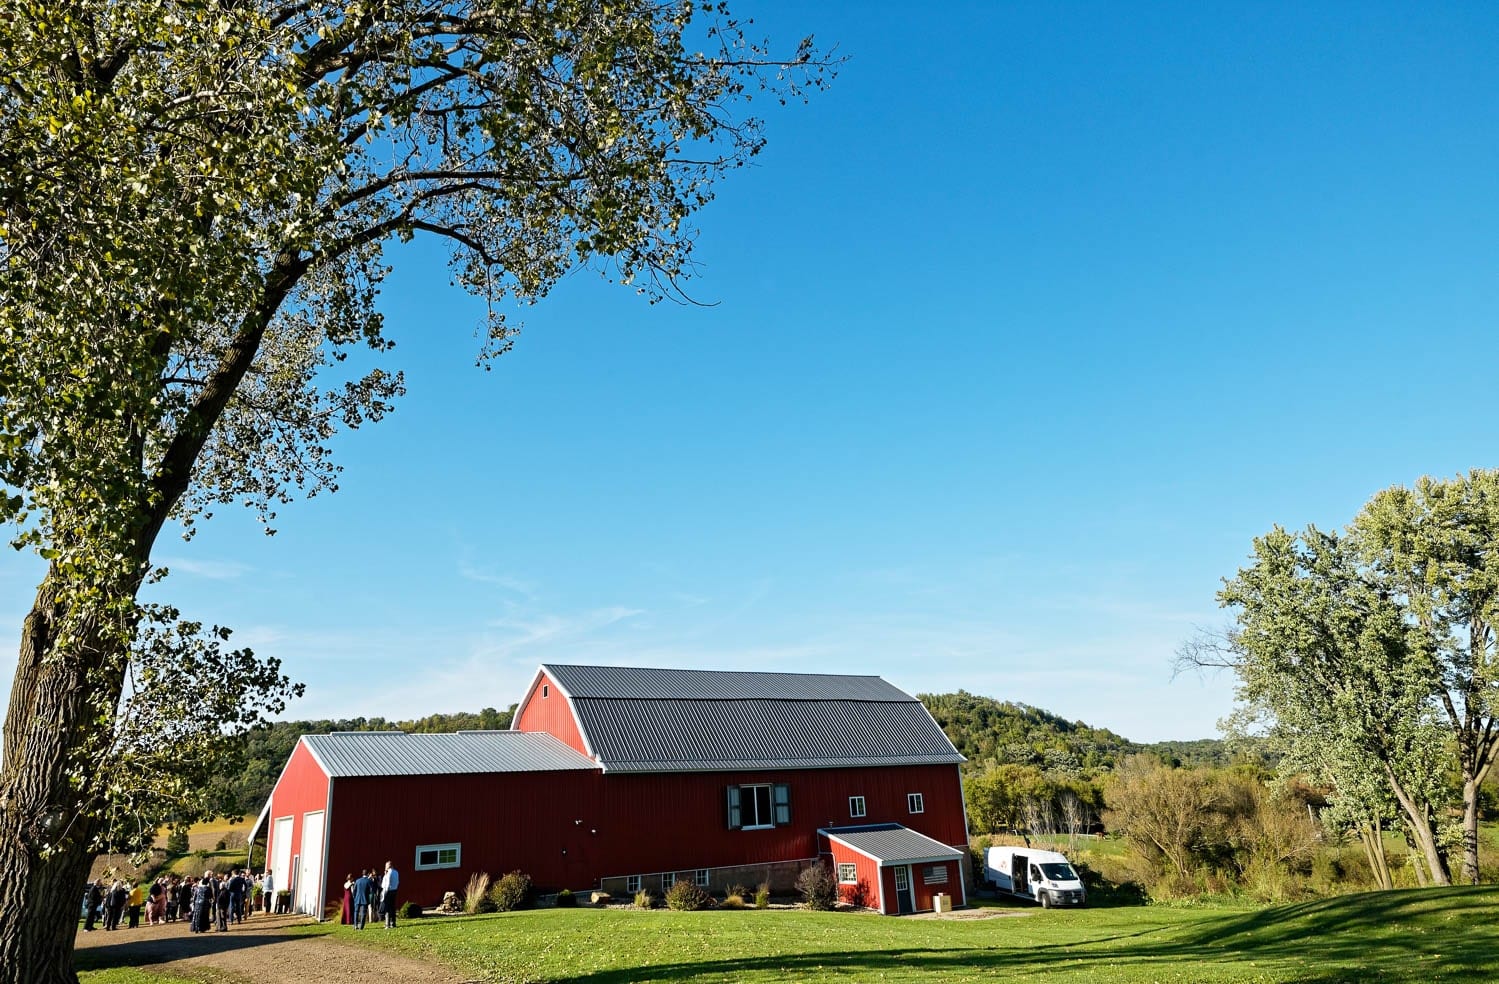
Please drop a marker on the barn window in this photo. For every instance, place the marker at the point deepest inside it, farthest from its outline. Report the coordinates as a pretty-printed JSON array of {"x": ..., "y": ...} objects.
[
  {"x": 856, "y": 806},
  {"x": 914, "y": 803},
  {"x": 546, "y": 690},
  {"x": 702, "y": 878},
  {"x": 632, "y": 883},
  {"x": 759, "y": 806},
  {"x": 430, "y": 856},
  {"x": 848, "y": 874},
  {"x": 669, "y": 879}
]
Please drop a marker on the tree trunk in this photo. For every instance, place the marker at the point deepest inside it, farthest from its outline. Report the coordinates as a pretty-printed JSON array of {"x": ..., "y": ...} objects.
[
  {"x": 1419, "y": 824},
  {"x": 44, "y": 832},
  {"x": 1373, "y": 840},
  {"x": 1470, "y": 832}
]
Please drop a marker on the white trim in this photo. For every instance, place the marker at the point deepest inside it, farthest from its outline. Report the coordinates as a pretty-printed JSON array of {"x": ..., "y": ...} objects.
[
  {"x": 315, "y": 757},
  {"x": 416, "y": 857},
  {"x": 250, "y": 841},
  {"x": 918, "y": 801},
  {"x": 863, "y": 808},
  {"x": 847, "y": 864}
]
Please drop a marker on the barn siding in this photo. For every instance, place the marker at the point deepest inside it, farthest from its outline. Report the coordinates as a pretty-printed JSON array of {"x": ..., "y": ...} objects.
[
  {"x": 550, "y": 714},
  {"x": 868, "y": 874},
  {"x": 302, "y": 789},
  {"x": 504, "y": 821},
  {"x": 668, "y": 821}
]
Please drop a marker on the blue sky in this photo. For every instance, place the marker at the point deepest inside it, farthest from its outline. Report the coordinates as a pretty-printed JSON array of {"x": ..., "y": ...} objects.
[{"x": 1022, "y": 332}]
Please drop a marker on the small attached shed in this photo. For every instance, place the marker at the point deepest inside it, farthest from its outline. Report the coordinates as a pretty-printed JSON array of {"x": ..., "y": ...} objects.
[{"x": 892, "y": 868}]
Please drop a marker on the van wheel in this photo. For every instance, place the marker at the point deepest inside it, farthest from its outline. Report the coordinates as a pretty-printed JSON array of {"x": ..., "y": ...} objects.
[{"x": 1046, "y": 900}]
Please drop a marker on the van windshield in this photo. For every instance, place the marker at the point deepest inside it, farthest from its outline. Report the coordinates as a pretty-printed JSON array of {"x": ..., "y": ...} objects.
[{"x": 1059, "y": 872}]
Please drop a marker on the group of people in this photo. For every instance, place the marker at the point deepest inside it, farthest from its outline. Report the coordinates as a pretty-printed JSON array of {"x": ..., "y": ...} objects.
[
  {"x": 369, "y": 894},
  {"x": 213, "y": 899}
]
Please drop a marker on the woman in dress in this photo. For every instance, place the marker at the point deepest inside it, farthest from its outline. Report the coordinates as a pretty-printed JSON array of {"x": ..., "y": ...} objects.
[{"x": 348, "y": 915}]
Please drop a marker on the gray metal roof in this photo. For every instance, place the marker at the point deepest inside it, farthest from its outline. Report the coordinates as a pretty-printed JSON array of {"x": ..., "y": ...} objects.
[
  {"x": 636, "y": 683},
  {"x": 891, "y": 843},
  {"x": 386, "y": 753},
  {"x": 641, "y": 720}
]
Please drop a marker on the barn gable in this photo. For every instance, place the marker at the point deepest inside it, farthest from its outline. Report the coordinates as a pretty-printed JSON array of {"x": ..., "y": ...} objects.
[{"x": 655, "y": 720}]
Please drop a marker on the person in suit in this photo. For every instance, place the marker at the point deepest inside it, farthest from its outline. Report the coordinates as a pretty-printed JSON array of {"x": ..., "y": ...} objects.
[{"x": 359, "y": 894}]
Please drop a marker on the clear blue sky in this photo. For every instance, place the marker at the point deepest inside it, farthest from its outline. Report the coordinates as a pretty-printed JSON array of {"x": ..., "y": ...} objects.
[{"x": 1023, "y": 331}]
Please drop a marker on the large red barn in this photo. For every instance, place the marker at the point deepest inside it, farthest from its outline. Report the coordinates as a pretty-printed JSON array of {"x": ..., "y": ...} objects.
[{"x": 624, "y": 778}]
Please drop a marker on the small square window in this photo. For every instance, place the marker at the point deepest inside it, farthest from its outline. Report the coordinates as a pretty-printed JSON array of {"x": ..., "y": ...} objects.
[
  {"x": 632, "y": 883},
  {"x": 856, "y": 806},
  {"x": 669, "y": 879},
  {"x": 914, "y": 803},
  {"x": 848, "y": 874},
  {"x": 702, "y": 877},
  {"x": 430, "y": 856}
]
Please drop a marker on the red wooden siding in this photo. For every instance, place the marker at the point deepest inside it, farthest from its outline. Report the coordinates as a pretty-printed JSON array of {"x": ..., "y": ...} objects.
[
  {"x": 504, "y": 821},
  {"x": 868, "y": 874},
  {"x": 924, "y": 893},
  {"x": 671, "y": 821},
  {"x": 302, "y": 789},
  {"x": 550, "y": 714}
]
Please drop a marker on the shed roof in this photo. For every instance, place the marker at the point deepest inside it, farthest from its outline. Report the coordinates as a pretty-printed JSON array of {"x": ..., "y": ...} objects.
[
  {"x": 655, "y": 720},
  {"x": 890, "y": 843},
  {"x": 387, "y": 753}
]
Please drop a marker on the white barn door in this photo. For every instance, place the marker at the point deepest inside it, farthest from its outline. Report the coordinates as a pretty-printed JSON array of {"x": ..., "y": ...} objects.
[
  {"x": 310, "y": 878},
  {"x": 281, "y": 855}
]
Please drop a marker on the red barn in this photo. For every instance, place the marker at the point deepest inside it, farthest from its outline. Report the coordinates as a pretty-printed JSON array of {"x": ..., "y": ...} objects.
[{"x": 622, "y": 779}]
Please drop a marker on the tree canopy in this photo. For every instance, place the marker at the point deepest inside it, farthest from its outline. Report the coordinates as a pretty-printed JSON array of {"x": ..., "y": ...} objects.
[{"x": 195, "y": 197}]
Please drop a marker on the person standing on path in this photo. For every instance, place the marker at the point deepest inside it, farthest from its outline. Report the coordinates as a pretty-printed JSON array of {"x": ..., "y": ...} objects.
[
  {"x": 388, "y": 885},
  {"x": 95, "y": 899},
  {"x": 136, "y": 899},
  {"x": 361, "y": 898},
  {"x": 268, "y": 891}
]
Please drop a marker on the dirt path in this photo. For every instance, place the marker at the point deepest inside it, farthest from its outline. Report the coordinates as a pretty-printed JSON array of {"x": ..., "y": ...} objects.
[{"x": 258, "y": 952}]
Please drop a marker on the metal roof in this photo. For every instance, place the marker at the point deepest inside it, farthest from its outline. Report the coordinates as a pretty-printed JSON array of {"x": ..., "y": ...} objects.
[
  {"x": 386, "y": 753},
  {"x": 650, "y": 720},
  {"x": 637, "y": 683},
  {"x": 890, "y": 843}
]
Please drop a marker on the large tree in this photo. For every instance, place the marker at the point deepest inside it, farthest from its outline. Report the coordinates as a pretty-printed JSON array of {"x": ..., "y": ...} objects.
[
  {"x": 194, "y": 198},
  {"x": 1328, "y": 657},
  {"x": 1437, "y": 546}
]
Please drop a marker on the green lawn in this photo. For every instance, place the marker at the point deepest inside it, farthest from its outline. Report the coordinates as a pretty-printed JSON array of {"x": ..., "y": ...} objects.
[{"x": 1416, "y": 936}]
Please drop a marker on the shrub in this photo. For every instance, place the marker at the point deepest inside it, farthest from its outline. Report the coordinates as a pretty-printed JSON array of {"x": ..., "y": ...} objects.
[
  {"x": 201, "y": 852},
  {"x": 511, "y": 891},
  {"x": 733, "y": 901},
  {"x": 644, "y": 899},
  {"x": 566, "y": 899},
  {"x": 817, "y": 887},
  {"x": 409, "y": 910},
  {"x": 177, "y": 841},
  {"x": 762, "y": 896},
  {"x": 476, "y": 895},
  {"x": 221, "y": 844},
  {"x": 687, "y": 896}
]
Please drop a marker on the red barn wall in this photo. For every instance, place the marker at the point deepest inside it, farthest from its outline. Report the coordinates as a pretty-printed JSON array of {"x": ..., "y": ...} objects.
[
  {"x": 867, "y": 873},
  {"x": 551, "y": 714},
  {"x": 504, "y": 821},
  {"x": 925, "y": 894},
  {"x": 302, "y": 789},
  {"x": 669, "y": 821}
]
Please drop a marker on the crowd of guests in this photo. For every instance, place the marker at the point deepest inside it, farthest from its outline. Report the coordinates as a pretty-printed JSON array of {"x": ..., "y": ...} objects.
[
  {"x": 216, "y": 900},
  {"x": 371, "y": 893},
  {"x": 212, "y": 900}
]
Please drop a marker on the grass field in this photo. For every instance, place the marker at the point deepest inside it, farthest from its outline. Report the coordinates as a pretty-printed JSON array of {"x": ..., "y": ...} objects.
[
  {"x": 1402, "y": 936},
  {"x": 1436, "y": 935}
]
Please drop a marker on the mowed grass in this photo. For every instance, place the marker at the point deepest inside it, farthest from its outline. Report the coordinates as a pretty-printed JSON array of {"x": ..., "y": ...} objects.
[{"x": 1416, "y": 935}]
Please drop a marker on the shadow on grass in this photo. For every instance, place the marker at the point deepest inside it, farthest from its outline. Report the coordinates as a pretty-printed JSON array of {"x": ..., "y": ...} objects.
[
  {"x": 1402, "y": 936},
  {"x": 164, "y": 949}
]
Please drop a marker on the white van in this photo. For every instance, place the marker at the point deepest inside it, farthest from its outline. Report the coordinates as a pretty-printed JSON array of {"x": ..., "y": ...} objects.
[{"x": 1045, "y": 876}]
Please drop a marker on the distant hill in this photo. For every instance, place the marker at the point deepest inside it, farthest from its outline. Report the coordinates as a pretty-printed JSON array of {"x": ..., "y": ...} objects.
[{"x": 997, "y": 732}]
